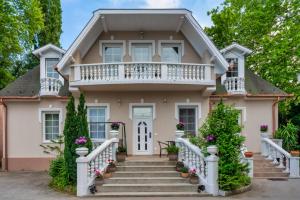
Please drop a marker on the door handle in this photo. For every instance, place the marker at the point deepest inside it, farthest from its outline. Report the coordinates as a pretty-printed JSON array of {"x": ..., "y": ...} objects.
[{"x": 149, "y": 134}]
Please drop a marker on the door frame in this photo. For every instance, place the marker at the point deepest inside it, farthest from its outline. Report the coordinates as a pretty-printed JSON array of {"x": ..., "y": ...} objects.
[{"x": 134, "y": 142}]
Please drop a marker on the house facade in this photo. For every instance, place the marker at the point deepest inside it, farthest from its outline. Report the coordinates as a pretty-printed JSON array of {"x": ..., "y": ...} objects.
[{"x": 149, "y": 69}]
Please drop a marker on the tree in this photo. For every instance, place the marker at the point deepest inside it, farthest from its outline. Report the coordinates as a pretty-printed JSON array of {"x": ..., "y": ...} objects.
[
  {"x": 82, "y": 121},
  {"x": 70, "y": 135},
  {"x": 271, "y": 28},
  {"x": 53, "y": 23},
  {"x": 19, "y": 22},
  {"x": 222, "y": 128}
]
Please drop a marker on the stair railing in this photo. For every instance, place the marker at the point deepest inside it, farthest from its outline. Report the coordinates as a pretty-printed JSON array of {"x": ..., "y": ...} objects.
[
  {"x": 280, "y": 157},
  {"x": 244, "y": 159},
  {"x": 96, "y": 160},
  {"x": 206, "y": 167}
]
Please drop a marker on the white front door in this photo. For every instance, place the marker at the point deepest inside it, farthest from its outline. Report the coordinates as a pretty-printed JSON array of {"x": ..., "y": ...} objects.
[{"x": 142, "y": 130}]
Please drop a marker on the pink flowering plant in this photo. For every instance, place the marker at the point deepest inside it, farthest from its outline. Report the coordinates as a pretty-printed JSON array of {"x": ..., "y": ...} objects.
[
  {"x": 263, "y": 128},
  {"x": 81, "y": 141},
  {"x": 180, "y": 126},
  {"x": 99, "y": 173},
  {"x": 193, "y": 172}
]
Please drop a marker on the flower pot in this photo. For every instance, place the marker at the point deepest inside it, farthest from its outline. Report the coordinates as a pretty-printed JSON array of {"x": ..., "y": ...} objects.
[
  {"x": 212, "y": 149},
  {"x": 295, "y": 153},
  {"x": 194, "y": 179},
  {"x": 121, "y": 157},
  {"x": 248, "y": 154},
  {"x": 184, "y": 175},
  {"x": 113, "y": 134},
  {"x": 82, "y": 151},
  {"x": 173, "y": 156},
  {"x": 179, "y": 133},
  {"x": 107, "y": 175}
]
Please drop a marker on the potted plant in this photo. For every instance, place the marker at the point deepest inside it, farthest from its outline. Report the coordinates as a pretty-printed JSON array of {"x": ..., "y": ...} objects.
[
  {"x": 81, "y": 141},
  {"x": 107, "y": 174},
  {"x": 248, "y": 154},
  {"x": 121, "y": 154},
  {"x": 179, "y": 130},
  {"x": 263, "y": 128},
  {"x": 172, "y": 152},
  {"x": 184, "y": 172},
  {"x": 179, "y": 165},
  {"x": 99, "y": 176},
  {"x": 295, "y": 153},
  {"x": 115, "y": 126},
  {"x": 193, "y": 176},
  {"x": 111, "y": 167}
]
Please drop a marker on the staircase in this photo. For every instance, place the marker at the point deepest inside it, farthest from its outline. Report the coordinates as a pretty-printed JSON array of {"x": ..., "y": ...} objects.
[
  {"x": 136, "y": 178},
  {"x": 264, "y": 169}
]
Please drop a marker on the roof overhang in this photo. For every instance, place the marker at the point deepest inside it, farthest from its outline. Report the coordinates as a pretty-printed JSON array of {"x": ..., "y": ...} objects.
[
  {"x": 39, "y": 51},
  {"x": 237, "y": 46},
  {"x": 176, "y": 20}
]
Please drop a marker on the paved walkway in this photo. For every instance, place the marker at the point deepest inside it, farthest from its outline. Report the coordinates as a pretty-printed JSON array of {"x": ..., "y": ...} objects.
[{"x": 34, "y": 186}]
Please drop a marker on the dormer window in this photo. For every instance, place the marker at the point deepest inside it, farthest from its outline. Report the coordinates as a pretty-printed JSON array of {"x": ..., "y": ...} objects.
[
  {"x": 233, "y": 69},
  {"x": 50, "y": 71}
]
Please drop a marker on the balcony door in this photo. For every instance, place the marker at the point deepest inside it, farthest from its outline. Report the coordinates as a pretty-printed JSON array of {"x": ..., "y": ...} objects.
[
  {"x": 141, "y": 52},
  {"x": 142, "y": 131}
]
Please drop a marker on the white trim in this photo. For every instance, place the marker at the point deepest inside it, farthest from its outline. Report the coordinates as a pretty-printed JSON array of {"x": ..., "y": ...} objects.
[
  {"x": 244, "y": 113},
  {"x": 103, "y": 42},
  {"x": 130, "y": 42},
  {"x": 39, "y": 51},
  {"x": 107, "y": 105},
  {"x": 41, "y": 113},
  {"x": 181, "y": 42},
  {"x": 142, "y": 11},
  {"x": 131, "y": 105},
  {"x": 188, "y": 104},
  {"x": 244, "y": 49}
]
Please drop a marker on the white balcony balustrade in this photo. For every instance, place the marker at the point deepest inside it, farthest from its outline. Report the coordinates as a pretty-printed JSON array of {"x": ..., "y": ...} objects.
[
  {"x": 50, "y": 86},
  {"x": 235, "y": 85},
  {"x": 116, "y": 73}
]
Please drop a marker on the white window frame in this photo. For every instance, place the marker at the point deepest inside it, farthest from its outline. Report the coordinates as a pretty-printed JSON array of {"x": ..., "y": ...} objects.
[
  {"x": 102, "y": 44},
  {"x": 180, "y": 43},
  {"x": 107, "y": 117},
  {"x": 196, "y": 106},
  {"x": 131, "y": 105},
  {"x": 41, "y": 114},
  {"x": 46, "y": 71},
  {"x": 244, "y": 114}
]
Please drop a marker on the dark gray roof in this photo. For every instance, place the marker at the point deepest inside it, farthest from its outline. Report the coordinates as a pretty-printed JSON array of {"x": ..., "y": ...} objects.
[
  {"x": 254, "y": 85},
  {"x": 29, "y": 85}
]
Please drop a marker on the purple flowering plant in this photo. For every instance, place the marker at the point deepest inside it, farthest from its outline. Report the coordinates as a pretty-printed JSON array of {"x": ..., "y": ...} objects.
[
  {"x": 81, "y": 141},
  {"x": 264, "y": 128},
  {"x": 211, "y": 139},
  {"x": 180, "y": 126}
]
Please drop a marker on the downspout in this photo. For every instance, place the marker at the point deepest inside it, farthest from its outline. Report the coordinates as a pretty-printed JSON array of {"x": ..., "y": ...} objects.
[
  {"x": 5, "y": 167},
  {"x": 273, "y": 115},
  {"x": 56, "y": 69}
]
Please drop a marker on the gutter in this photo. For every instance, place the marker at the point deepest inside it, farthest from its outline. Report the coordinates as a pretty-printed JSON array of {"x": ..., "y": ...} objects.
[
  {"x": 5, "y": 166},
  {"x": 273, "y": 115}
]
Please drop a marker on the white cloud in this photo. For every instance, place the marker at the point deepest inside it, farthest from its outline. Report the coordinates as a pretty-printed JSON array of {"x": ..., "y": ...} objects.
[{"x": 162, "y": 3}]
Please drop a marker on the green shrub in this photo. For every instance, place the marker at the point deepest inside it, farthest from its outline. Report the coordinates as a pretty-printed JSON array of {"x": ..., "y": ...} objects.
[
  {"x": 222, "y": 126},
  {"x": 289, "y": 134},
  {"x": 184, "y": 170},
  {"x": 121, "y": 149},
  {"x": 172, "y": 149},
  {"x": 56, "y": 166}
]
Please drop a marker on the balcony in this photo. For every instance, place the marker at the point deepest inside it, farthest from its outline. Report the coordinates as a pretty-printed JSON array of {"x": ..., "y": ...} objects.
[
  {"x": 235, "y": 85},
  {"x": 142, "y": 73},
  {"x": 50, "y": 86}
]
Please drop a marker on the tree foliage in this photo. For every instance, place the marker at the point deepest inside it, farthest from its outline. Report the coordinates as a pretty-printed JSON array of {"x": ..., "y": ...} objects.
[
  {"x": 222, "y": 124},
  {"x": 271, "y": 28},
  {"x": 83, "y": 129}
]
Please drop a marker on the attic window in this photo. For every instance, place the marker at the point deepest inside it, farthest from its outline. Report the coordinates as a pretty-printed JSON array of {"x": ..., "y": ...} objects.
[
  {"x": 233, "y": 67},
  {"x": 50, "y": 64}
]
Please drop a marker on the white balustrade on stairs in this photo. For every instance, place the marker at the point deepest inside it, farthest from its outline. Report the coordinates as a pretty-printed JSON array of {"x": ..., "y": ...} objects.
[
  {"x": 206, "y": 167},
  {"x": 96, "y": 160},
  {"x": 244, "y": 159},
  {"x": 280, "y": 157}
]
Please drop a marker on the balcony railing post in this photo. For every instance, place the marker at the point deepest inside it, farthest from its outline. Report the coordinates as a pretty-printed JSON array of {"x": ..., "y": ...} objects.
[
  {"x": 77, "y": 74},
  {"x": 212, "y": 171},
  {"x": 121, "y": 72},
  {"x": 294, "y": 167},
  {"x": 207, "y": 73},
  {"x": 164, "y": 72},
  {"x": 82, "y": 172}
]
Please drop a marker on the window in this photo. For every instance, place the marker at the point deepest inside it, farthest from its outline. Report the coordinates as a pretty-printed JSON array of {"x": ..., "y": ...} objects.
[
  {"x": 50, "y": 71},
  {"x": 141, "y": 52},
  {"x": 50, "y": 126},
  {"x": 112, "y": 53},
  {"x": 97, "y": 119},
  {"x": 188, "y": 116},
  {"x": 171, "y": 53},
  {"x": 233, "y": 67}
]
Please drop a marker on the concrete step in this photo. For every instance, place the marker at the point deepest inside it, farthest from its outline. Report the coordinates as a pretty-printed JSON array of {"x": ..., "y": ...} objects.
[
  {"x": 146, "y": 174},
  {"x": 267, "y": 169},
  {"x": 151, "y": 194},
  {"x": 263, "y": 164},
  {"x": 274, "y": 178},
  {"x": 146, "y": 168},
  {"x": 145, "y": 180},
  {"x": 270, "y": 174},
  {"x": 146, "y": 163},
  {"x": 174, "y": 187}
]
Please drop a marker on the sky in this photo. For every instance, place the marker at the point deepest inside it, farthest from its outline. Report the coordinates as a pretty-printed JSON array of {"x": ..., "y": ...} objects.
[{"x": 76, "y": 13}]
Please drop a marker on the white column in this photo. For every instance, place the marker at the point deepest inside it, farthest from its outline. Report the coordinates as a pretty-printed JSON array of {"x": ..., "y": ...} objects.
[
  {"x": 164, "y": 72},
  {"x": 114, "y": 150},
  {"x": 207, "y": 73},
  {"x": 264, "y": 148},
  {"x": 121, "y": 72},
  {"x": 82, "y": 172},
  {"x": 250, "y": 166},
  {"x": 294, "y": 167},
  {"x": 77, "y": 74},
  {"x": 212, "y": 171}
]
